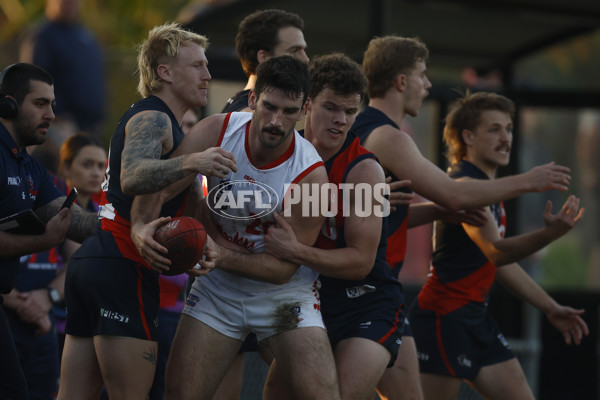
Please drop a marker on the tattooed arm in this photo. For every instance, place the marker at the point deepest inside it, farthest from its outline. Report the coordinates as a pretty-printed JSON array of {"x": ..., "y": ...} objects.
[
  {"x": 82, "y": 222},
  {"x": 148, "y": 135}
]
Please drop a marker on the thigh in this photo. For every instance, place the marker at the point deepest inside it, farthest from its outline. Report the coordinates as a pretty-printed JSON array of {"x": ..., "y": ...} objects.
[
  {"x": 127, "y": 365},
  {"x": 402, "y": 380},
  {"x": 358, "y": 380},
  {"x": 503, "y": 381},
  {"x": 307, "y": 362},
  {"x": 199, "y": 359},
  {"x": 440, "y": 387},
  {"x": 80, "y": 376}
]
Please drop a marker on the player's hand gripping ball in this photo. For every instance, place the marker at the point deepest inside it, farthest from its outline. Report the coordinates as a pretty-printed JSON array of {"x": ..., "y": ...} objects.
[{"x": 185, "y": 238}]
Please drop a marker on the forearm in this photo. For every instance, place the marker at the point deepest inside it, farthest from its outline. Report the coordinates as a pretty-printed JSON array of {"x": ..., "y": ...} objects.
[
  {"x": 147, "y": 176},
  {"x": 474, "y": 193},
  {"x": 345, "y": 263},
  {"x": 515, "y": 248},
  {"x": 423, "y": 213},
  {"x": 514, "y": 278},
  {"x": 258, "y": 266}
]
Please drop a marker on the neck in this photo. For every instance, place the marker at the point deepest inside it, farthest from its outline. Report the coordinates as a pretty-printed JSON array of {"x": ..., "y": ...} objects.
[
  {"x": 251, "y": 82},
  {"x": 83, "y": 200},
  {"x": 394, "y": 110}
]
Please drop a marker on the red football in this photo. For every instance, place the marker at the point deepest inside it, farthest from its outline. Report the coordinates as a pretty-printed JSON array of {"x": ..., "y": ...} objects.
[{"x": 185, "y": 238}]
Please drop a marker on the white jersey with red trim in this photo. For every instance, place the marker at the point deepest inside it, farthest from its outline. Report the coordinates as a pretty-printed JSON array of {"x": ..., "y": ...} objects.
[{"x": 243, "y": 201}]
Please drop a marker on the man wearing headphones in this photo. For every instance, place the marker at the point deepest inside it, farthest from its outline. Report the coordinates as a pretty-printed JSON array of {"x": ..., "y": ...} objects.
[{"x": 26, "y": 110}]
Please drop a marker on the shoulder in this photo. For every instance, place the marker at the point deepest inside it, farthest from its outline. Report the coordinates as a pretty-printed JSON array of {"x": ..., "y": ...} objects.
[{"x": 367, "y": 170}]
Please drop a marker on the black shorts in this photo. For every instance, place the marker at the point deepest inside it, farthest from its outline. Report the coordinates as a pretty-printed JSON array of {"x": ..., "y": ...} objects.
[
  {"x": 457, "y": 344},
  {"x": 110, "y": 295},
  {"x": 378, "y": 326}
]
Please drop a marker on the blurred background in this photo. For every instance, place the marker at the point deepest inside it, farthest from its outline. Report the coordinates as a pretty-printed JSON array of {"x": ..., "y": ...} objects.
[{"x": 543, "y": 54}]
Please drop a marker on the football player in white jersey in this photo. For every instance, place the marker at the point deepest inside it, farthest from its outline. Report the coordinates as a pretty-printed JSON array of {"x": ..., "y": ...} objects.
[{"x": 250, "y": 290}]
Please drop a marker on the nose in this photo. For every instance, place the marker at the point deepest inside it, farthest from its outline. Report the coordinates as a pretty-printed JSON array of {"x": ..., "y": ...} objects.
[
  {"x": 207, "y": 76},
  {"x": 277, "y": 119},
  {"x": 301, "y": 55},
  {"x": 50, "y": 114},
  {"x": 340, "y": 118},
  {"x": 428, "y": 84}
]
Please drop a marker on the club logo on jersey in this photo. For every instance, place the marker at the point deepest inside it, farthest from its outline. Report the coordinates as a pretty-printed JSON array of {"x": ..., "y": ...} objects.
[{"x": 242, "y": 199}]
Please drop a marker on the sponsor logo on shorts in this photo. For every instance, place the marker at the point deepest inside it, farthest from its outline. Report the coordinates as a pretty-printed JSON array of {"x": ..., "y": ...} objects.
[
  {"x": 115, "y": 316},
  {"x": 464, "y": 361},
  {"x": 422, "y": 356},
  {"x": 502, "y": 340},
  {"x": 191, "y": 300},
  {"x": 365, "y": 325},
  {"x": 357, "y": 291}
]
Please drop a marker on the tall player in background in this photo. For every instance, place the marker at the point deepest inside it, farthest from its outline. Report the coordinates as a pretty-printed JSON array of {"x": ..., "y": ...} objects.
[{"x": 397, "y": 85}]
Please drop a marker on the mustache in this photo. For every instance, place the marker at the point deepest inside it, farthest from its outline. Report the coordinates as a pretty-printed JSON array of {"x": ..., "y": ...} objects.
[{"x": 273, "y": 130}]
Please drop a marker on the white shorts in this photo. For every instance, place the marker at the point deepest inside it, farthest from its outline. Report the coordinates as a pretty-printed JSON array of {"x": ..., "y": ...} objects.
[{"x": 235, "y": 313}]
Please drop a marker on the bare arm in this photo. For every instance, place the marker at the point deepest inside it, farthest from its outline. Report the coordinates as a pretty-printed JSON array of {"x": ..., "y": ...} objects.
[
  {"x": 82, "y": 223},
  {"x": 148, "y": 135},
  {"x": 566, "y": 319},
  {"x": 361, "y": 233},
  {"x": 399, "y": 154},
  {"x": 508, "y": 250}
]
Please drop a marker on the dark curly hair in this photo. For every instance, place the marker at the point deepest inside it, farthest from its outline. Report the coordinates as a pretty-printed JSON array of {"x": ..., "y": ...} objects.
[{"x": 337, "y": 72}]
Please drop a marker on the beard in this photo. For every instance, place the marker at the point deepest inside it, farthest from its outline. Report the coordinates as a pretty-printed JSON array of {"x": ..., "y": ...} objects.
[{"x": 26, "y": 132}]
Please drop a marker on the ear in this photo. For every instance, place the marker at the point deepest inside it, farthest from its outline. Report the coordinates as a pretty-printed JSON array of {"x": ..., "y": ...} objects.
[
  {"x": 401, "y": 82},
  {"x": 262, "y": 56},
  {"x": 467, "y": 136},
  {"x": 308, "y": 104},
  {"x": 164, "y": 72},
  {"x": 252, "y": 99},
  {"x": 303, "y": 110}
]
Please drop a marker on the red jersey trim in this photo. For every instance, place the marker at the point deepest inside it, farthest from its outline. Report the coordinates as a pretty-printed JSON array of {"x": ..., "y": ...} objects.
[
  {"x": 299, "y": 178},
  {"x": 223, "y": 129}
]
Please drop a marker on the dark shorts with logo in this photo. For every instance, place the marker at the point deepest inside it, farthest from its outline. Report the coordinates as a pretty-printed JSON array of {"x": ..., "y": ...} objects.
[
  {"x": 110, "y": 295},
  {"x": 384, "y": 324},
  {"x": 458, "y": 344}
]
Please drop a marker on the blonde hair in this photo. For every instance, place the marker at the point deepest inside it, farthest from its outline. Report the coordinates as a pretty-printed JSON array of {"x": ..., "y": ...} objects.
[{"x": 163, "y": 42}]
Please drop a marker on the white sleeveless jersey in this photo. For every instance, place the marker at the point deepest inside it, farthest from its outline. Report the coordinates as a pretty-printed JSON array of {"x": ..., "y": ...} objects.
[{"x": 243, "y": 201}]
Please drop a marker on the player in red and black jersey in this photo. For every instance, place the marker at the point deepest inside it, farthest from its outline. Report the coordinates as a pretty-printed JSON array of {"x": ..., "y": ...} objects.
[{"x": 456, "y": 336}]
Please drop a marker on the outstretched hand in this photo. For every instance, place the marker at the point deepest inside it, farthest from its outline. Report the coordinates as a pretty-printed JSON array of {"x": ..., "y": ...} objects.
[
  {"x": 549, "y": 177},
  {"x": 568, "y": 321},
  {"x": 142, "y": 236},
  {"x": 568, "y": 216}
]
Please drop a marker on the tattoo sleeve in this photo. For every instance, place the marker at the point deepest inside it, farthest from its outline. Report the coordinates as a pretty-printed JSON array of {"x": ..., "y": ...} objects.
[{"x": 142, "y": 171}]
